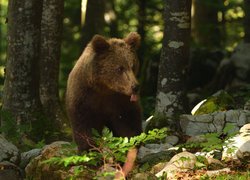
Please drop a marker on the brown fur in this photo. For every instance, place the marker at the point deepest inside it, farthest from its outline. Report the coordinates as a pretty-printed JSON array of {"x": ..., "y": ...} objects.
[{"x": 99, "y": 89}]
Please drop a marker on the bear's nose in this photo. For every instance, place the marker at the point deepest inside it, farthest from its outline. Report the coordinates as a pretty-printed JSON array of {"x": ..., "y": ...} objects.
[{"x": 135, "y": 88}]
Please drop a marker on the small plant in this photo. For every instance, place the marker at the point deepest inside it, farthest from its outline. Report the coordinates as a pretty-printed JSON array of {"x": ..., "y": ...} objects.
[
  {"x": 11, "y": 128},
  {"x": 212, "y": 141},
  {"x": 108, "y": 151}
]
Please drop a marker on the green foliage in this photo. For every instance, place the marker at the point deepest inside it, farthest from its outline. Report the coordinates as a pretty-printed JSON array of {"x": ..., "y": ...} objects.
[
  {"x": 12, "y": 129},
  {"x": 220, "y": 102},
  {"x": 201, "y": 162},
  {"x": 212, "y": 141},
  {"x": 235, "y": 176},
  {"x": 108, "y": 150},
  {"x": 158, "y": 121},
  {"x": 20, "y": 133}
]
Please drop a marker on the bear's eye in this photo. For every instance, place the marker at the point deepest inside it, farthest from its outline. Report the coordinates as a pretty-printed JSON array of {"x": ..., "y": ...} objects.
[{"x": 120, "y": 69}]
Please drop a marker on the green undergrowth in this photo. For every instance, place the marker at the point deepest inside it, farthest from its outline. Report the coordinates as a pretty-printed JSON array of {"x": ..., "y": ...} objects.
[{"x": 108, "y": 151}]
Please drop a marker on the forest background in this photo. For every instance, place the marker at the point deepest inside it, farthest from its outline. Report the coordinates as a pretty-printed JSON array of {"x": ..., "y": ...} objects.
[{"x": 218, "y": 26}]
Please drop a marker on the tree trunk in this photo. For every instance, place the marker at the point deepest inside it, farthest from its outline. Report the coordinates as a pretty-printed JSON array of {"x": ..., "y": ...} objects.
[
  {"x": 114, "y": 22},
  {"x": 141, "y": 55},
  {"x": 206, "y": 24},
  {"x": 94, "y": 21},
  {"x": 21, "y": 86},
  {"x": 174, "y": 58},
  {"x": 51, "y": 37},
  {"x": 247, "y": 21}
]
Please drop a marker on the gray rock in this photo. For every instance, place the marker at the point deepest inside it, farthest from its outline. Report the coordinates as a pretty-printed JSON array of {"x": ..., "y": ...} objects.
[
  {"x": 196, "y": 139},
  {"x": 173, "y": 140},
  {"x": 238, "y": 147},
  {"x": 214, "y": 164},
  {"x": 232, "y": 116},
  {"x": 155, "y": 153},
  {"x": 158, "y": 147},
  {"x": 27, "y": 156},
  {"x": 219, "y": 121},
  {"x": 152, "y": 149},
  {"x": 214, "y": 122},
  {"x": 38, "y": 170},
  {"x": 144, "y": 176},
  {"x": 181, "y": 162},
  {"x": 8, "y": 151},
  {"x": 217, "y": 172}
]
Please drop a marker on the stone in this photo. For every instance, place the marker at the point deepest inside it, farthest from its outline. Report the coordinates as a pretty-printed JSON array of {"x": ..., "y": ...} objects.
[
  {"x": 196, "y": 139},
  {"x": 232, "y": 116},
  {"x": 8, "y": 151},
  {"x": 38, "y": 170},
  {"x": 181, "y": 162},
  {"x": 214, "y": 122},
  {"x": 173, "y": 140},
  {"x": 192, "y": 128},
  {"x": 238, "y": 147},
  {"x": 219, "y": 121},
  {"x": 217, "y": 172},
  {"x": 214, "y": 164},
  {"x": 157, "y": 167},
  {"x": 27, "y": 156},
  {"x": 144, "y": 176},
  {"x": 155, "y": 153},
  {"x": 245, "y": 128},
  {"x": 220, "y": 101}
]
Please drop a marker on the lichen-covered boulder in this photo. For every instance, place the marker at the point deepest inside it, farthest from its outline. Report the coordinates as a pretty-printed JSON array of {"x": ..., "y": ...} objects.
[
  {"x": 181, "y": 162},
  {"x": 8, "y": 151},
  {"x": 29, "y": 155},
  {"x": 238, "y": 147},
  {"x": 219, "y": 101},
  {"x": 37, "y": 169},
  {"x": 214, "y": 122}
]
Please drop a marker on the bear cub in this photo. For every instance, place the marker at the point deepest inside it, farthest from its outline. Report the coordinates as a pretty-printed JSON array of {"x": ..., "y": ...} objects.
[{"x": 102, "y": 89}]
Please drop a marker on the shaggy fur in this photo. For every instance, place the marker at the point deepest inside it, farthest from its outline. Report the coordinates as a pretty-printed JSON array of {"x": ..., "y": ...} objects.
[{"x": 102, "y": 89}]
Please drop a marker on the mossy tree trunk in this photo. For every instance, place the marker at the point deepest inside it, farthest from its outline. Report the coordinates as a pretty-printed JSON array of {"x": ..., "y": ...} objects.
[
  {"x": 94, "y": 20},
  {"x": 51, "y": 37},
  {"x": 174, "y": 58},
  {"x": 21, "y": 86}
]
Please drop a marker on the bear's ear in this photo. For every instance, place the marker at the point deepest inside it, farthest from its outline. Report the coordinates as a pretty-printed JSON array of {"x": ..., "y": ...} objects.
[
  {"x": 99, "y": 43},
  {"x": 133, "y": 39}
]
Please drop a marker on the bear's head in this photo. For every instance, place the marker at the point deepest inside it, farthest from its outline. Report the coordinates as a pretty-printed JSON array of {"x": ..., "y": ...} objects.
[{"x": 115, "y": 64}]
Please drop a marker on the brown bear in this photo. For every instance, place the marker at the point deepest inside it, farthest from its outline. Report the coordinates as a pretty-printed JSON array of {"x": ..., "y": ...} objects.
[{"x": 102, "y": 89}]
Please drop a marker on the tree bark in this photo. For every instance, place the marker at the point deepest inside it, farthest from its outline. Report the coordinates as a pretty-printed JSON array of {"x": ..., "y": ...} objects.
[
  {"x": 206, "y": 24},
  {"x": 141, "y": 30},
  {"x": 174, "y": 58},
  {"x": 247, "y": 21},
  {"x": 114, "y": 22},
  {"x": 21, "y": 86},
  {"x": 94, "y": 21},
  {"x": 51, "y": 37}
]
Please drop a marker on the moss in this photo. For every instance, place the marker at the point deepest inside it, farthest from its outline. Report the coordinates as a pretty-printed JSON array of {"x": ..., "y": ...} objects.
[{"x": 221, "y": 101}]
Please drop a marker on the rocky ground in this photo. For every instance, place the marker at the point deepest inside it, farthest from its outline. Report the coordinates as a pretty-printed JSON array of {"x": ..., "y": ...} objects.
[{"x": 167, "y": 159}]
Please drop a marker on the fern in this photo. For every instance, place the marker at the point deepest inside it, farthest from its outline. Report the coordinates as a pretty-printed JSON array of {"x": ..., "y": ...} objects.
[{"x": 108, "y": 149}]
